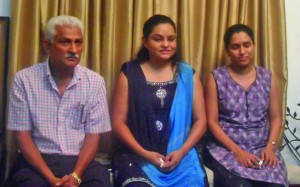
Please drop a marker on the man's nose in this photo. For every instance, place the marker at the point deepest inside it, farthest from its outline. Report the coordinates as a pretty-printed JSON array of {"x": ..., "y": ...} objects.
[{"x": 73, "y": 48}]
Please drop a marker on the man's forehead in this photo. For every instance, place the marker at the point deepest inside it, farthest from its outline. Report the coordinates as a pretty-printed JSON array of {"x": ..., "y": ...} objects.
[
  {"x": 67, "y": 27},
  {"x": 67, "y": 31}
]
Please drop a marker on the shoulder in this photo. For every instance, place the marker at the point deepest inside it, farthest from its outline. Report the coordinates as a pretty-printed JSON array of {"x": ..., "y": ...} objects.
[
  {"x": 219, "y": 72},
  {"x": 89, "y": 75},
  {"x": 262, "y": 69},
  {"x": 130, "y": 66},
  {"x": 184, "y": 67},
  {"x": 32, "y": 72},
  {"x": 263, "y": 72}
]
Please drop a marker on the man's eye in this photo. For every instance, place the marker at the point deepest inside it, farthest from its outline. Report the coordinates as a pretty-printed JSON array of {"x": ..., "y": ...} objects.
[
  {"x": 78, "y": 42},
  {"x": 65, "y": 42}
]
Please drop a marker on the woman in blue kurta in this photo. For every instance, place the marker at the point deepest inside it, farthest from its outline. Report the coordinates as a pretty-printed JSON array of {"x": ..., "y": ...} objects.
[
  {"x": 158, "y": 114},
  {"x": 244, "y": 118}
]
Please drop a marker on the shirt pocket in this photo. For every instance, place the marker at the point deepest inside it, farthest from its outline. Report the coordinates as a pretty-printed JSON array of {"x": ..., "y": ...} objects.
[{"x": 78, "y": 116}]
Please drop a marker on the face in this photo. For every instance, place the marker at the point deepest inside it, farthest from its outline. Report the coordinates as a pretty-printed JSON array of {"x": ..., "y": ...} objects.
[
  {"x": 161, "y": 43},
  {"x": 66, "y": 47},
  {"x": 240, "y": 49}
]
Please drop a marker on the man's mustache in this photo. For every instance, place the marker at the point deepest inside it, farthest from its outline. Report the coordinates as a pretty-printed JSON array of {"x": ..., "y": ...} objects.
[{"x": 72, "y": 55}]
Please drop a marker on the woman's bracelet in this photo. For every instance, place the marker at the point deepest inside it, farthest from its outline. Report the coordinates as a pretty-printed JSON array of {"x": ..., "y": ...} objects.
[{"x": 273, "y": 143}]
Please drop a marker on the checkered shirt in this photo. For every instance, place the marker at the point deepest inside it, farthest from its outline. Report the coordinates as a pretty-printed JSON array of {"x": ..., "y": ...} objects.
[{"x": 58, "y": 124}]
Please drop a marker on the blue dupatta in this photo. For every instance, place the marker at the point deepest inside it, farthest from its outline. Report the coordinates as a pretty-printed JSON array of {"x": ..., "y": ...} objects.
[{"x": 189, "y": 171}]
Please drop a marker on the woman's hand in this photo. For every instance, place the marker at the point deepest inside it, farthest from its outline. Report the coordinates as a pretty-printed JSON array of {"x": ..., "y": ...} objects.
[
  {"x": 155, "y": 158},
  {"x": 247, "y": 159},
  {"x": 173, "y": 159},
  {"x": 269, "y": 156}
]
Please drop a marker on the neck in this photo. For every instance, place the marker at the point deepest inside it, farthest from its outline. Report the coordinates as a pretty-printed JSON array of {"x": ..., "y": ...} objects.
[
  {"x": 61, "y": 74},
  {"x": 62, "y": 79},
  {"x": 241, "y": 70},
  {"x": 158, "y": 65}
]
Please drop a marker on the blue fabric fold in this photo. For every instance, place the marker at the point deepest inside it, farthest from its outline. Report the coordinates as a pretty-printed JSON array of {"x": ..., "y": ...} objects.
[{"x": 189, "y": 171}]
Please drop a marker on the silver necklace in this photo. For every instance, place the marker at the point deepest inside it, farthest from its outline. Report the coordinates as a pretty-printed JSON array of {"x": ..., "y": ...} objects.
[{"x": 161, "y": 94}]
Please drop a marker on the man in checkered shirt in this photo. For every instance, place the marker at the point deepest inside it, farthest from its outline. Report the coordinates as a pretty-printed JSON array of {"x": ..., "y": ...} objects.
[{"x": 58, "y": 109}]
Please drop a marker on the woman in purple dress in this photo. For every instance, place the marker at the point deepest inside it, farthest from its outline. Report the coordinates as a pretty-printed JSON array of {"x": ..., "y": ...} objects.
[
  {"x": 244, "y": 118},
  {"x": 158, "y": 114}
]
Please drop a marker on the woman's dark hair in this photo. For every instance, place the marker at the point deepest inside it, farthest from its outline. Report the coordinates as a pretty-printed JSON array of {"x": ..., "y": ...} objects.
[
  {"x": 153, "y": 21},
  {"x": 236, "y": 29}
]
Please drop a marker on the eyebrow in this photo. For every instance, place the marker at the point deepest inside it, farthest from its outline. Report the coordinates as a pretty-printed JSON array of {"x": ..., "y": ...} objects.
[
  {"x": 64, "y": 38},
  {"x": 240, "y": 43},
  {"x": 157, "y": 34}
]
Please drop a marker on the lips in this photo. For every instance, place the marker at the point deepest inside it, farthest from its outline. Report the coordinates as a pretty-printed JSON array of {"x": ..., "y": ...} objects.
[
  {"x": 243, "y": 58},
  {"x": 72, "y": 59},
  {"x": 165, "y": 51}
]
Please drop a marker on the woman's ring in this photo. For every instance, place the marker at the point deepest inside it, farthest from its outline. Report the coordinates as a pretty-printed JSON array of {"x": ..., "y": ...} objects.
[{"x": 162, "y": 162}]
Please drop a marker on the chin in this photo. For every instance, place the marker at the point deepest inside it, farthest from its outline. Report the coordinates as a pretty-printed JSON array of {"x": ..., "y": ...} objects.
[
  {"x": 241, "y": 63},
  {"x": 244, "y": 65},
  {"x": 71, "y": 64},
  {"x": 165, "y": 57}
]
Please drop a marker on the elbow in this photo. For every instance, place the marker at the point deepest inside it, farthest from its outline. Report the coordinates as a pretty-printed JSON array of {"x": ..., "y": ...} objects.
[
  {"x": 210, "y": 125},
  {"x": 205, "y": 128},
  {"x": 116, "y": 126}
]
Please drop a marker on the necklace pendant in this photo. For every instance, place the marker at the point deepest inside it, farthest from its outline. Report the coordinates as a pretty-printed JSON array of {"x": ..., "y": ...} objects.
[
  {"x": 161, "y": 94},
  {"x": 159, "y": 125}
]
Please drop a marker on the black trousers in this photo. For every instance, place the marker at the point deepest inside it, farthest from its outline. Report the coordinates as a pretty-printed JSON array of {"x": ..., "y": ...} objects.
[
  {"x": 24, "y": 175},
  {"x": 224, "y": 178}
]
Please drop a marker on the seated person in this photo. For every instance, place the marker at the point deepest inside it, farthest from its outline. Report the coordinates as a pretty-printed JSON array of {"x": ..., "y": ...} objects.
[
  {"x": 244, "y": 118},
  {"x": 58, "y": 109},
  {"x": 158, "y": 114}
]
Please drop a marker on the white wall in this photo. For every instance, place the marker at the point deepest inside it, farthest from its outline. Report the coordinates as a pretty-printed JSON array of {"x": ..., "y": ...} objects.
[
  {"x": 5, "y": 7},
  {"x": 293, "y": 51},
  {"x": 293, "y": 58}
]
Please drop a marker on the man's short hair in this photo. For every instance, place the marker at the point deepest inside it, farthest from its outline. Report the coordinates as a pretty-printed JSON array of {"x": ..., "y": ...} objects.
[{"x": 69, "y": 21}]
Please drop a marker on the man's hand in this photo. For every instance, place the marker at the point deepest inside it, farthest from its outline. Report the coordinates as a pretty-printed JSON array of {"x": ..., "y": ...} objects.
[
  {"x": 57, "y": 182},
  {"x": 72, "y": 182}
]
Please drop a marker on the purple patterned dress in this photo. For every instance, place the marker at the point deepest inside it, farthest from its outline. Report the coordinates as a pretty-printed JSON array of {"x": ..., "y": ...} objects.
[{"x": 243, "y": 116}]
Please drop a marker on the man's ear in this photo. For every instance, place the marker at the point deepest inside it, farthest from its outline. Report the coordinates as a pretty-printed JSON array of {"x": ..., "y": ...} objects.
[{"x": 47, "y": 45}]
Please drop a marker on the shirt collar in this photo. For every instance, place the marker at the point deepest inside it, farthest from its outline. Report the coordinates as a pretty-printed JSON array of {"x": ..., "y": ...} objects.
[{"x": 76, "y": 76}]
